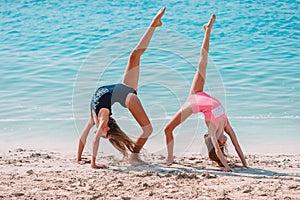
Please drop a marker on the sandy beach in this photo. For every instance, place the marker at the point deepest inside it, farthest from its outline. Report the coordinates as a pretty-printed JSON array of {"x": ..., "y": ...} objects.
[
  {"x": 55, "y": 54},
  {"x": 33, "y": 174}
]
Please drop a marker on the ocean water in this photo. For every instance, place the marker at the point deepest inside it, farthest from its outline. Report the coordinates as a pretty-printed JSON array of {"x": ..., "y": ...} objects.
[{"x": 55, "y": 53}]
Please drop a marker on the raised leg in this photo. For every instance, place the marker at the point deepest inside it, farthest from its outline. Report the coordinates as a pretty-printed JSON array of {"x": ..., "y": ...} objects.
[
  {"x": 132, "y": 71},
  {"x": 199, "y": 78}
]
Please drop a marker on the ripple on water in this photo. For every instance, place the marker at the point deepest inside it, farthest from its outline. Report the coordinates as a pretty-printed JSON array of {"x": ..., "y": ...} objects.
[{"x": 47, "y": 46}]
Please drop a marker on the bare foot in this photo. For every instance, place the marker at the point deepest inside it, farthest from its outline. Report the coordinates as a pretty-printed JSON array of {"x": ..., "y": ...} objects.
[
  {"x": 83, "y": 160},
  {"x": 169, "y": 163},
  {"x": 156, "y": 20},
  {"x": 210, "y": 24},
  {"x": 136, "y": 160},
  {"x": 95, "y": 166},
  {"x": 124, "y": 159}
]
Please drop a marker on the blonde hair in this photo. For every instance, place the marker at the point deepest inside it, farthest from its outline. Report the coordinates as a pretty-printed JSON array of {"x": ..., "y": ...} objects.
[
  {"x": 119, "y": 139},
  {"x": 211, "y": 150}
]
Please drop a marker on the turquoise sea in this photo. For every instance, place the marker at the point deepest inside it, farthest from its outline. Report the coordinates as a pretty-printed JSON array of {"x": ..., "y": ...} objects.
[{"x": 53, "y": 54}]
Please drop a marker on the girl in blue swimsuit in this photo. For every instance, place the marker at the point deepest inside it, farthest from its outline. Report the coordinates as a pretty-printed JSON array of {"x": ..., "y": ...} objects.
[{"x": 124, "y": 93}]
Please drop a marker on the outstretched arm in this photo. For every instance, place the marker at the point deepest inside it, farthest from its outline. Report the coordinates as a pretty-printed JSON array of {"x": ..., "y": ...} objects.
[
  {"x": 102, "y": 129},
  {"x": 214, "y": 139},
  {"x": 229, "y": 130},
  {"x": 82, "y": 140},
  {"x": 179, "y": 117},
  {"x": 96, "y": 121}
]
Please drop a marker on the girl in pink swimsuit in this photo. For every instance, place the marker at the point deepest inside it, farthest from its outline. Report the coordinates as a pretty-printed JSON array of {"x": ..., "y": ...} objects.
[
  {"x": 212, "y": 109},
  {"x": 214, "y": 113}
]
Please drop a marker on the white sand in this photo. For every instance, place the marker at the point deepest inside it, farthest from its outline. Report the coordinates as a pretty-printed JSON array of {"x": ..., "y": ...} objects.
[{"x": 32, "y": 174}]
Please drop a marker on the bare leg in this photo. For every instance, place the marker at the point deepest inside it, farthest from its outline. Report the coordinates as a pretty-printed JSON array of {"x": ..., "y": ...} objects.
[
  {"x": 135, "y": 107},
  {"x": 199, "y": 78},
  {"x": 179, "y": 117},
  {"x": 131, "y": 77},
  {"x": 132, "y": 71}
]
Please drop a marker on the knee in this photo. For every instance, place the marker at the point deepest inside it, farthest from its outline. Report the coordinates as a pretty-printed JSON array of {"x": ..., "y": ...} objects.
[
  {"x": 169, "y": 134},
  {"x": 150, "y": 129},
  {"x": 136, "y": 53},
  {"x": 91, "y": 123},
  {"x": 168, "y": 130}
]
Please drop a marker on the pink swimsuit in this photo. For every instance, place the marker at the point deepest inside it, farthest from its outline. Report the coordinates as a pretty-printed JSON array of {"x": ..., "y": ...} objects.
[{"x": 212, "y": 108}]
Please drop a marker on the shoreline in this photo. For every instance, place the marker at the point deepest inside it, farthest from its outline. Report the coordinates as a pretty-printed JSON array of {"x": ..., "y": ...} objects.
[
  {"x": 153, "y": 146},
  {"x": 46, "y": 174}
]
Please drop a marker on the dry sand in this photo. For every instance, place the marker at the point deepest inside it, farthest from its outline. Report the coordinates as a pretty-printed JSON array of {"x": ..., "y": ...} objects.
[{"x": 32, "y": 174}]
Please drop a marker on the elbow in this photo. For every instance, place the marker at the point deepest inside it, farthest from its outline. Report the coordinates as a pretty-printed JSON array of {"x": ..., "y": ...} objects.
[
  {"x": 91, "y": 122},
  {"x": 96, "y": 140},
  {"x": 218, "y": 151}
]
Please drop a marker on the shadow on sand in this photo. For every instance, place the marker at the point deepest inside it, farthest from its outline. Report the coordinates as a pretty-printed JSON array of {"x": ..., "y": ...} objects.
[{"x": 182, "y": 168}]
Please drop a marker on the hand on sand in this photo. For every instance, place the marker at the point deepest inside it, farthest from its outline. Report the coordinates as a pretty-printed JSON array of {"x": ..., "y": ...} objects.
[
  {"x": 234, "y": 165},
  {"x": 239, "y": 166},
  {"x": 226, "y": 170}
]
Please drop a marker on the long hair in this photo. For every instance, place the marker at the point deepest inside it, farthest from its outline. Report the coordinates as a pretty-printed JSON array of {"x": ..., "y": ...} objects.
[
  {"x": 119, "y": 139},
  {"x": 211, "y": 150}
]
